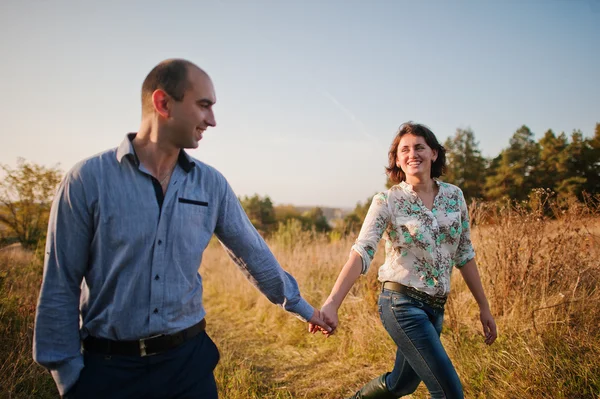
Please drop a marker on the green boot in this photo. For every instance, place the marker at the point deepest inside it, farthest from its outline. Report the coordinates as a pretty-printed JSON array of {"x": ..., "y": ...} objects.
[{"x": 374, "y": 389}]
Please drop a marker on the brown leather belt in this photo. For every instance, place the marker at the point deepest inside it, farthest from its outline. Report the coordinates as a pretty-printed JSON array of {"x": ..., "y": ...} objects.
[
  {"x": 145, "y": 346},
  {"x": 433, "y": 301}
]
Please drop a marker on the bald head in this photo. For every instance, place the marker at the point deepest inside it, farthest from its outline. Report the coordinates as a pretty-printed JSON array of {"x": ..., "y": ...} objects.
[{"x": 171, "y": 76}]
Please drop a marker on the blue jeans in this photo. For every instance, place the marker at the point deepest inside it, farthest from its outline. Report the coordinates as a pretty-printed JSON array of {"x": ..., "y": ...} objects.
[
  {"x": 416, "y": 327},
  {"x": 185, "y": 372}
]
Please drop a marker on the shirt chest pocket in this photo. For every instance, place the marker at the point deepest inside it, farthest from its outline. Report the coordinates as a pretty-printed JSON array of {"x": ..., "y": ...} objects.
[
  {"x": 188, "y": 201},
  {"x": 194, "y": 221}
]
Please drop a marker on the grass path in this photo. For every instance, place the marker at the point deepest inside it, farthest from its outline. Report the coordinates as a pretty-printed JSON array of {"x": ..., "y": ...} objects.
[{"x": 267, "y": 353}]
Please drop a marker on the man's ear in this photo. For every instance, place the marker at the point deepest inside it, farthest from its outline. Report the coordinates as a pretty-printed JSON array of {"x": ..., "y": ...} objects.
[{"x": 161, "y": 103}]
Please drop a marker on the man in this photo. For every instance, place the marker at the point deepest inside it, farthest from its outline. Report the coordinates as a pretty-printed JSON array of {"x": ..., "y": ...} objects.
[{"x": 132, "y": 224}]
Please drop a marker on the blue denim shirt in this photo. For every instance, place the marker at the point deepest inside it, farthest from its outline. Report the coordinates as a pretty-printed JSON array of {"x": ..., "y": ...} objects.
[{"x": 128, "y": 265}]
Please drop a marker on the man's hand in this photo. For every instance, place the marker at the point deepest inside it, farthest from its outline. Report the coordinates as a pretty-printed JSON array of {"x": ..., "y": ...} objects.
[
  {"x": 489, "y": 326},
  {"x": 316, "y": 323}
]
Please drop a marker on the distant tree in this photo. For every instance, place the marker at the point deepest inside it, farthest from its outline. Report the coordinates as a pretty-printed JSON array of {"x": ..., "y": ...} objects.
[
  {"x": 286, "y": 212},
  {"x": 261, "y": 213},
  {"x": 500, "y": 182},
  {"x": 466, "y": 165},
  {"x": 352, "y": 222},
  {"x": 26, "y": 193},
  {"x": 593, "y": 183},
  {"x": 582, "y": 165},
  {"x": 595, "y": 141},
  {"x": 317, "y": 220},
  {"x": 515, "y": 173},
  {"x": 491, "y": 169},
  {"x": 552, "y": 169}
]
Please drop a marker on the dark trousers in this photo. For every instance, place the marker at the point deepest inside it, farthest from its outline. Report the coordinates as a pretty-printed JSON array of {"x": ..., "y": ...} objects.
[{"x": 183, "y": 372}]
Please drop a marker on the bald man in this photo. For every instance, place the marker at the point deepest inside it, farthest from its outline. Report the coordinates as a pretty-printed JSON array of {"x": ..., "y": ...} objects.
[{"x": 127, "y": 231}]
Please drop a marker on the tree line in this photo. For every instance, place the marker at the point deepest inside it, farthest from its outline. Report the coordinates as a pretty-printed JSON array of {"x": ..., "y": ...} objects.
[{"x": 568, "y": 165}]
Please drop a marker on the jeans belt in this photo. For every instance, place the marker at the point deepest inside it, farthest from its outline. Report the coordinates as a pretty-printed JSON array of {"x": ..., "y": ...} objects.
[
  {"x": 433, "y": 301},
  {"x": 145, "y": 346}
]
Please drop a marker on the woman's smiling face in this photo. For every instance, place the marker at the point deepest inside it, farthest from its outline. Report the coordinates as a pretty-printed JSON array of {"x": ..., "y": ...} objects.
[{"x": 414, "y": 156}]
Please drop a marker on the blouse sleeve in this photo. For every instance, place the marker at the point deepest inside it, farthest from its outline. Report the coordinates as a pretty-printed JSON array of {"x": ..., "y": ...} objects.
[
  {"x": 464, "y": 251},
  {"x": 372, "y": 229}
]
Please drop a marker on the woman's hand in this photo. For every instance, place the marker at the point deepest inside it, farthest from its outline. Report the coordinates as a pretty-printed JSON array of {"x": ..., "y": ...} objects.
[
  {"x": 471, "y": 277},
  {"x": 489, "y": 326},
  {"x": 329, "y": 313}
]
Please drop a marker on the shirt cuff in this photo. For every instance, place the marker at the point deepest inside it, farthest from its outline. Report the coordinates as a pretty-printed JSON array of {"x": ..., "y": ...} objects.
[
  {"x": 366, "y": 259},
  {"x": 303, "y": 310},
  {"x": 66, "y": 375},
  {"x": 464, "y": 261}
]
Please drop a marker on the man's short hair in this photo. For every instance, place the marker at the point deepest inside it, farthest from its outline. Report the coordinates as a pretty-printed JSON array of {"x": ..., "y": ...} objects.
[{"x": 171, "y": 76}]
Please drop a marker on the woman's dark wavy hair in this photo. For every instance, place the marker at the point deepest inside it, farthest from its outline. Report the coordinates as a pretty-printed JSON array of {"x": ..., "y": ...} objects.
[{"x": 438, "y": 167}]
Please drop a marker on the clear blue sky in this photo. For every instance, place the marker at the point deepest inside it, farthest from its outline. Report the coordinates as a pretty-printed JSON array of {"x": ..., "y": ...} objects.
[{"x": 310, "y": 93}]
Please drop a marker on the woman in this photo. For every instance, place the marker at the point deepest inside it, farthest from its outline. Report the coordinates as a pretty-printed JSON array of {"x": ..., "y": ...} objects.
[{"x": 426, "y": 227}]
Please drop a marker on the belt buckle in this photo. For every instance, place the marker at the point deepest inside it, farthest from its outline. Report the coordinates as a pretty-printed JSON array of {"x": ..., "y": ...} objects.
[{"x": 142, "y": 343}]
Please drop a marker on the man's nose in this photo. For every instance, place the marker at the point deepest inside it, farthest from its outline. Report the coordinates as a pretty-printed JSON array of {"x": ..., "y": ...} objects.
[{"x": 210, "y": 120}]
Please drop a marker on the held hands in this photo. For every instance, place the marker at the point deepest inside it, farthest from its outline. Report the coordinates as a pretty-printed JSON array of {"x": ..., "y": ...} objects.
[
  {"x": 489, "y": 326},
  {"x": 317, "y": 323},
  {"x": 329, "y": 316}
]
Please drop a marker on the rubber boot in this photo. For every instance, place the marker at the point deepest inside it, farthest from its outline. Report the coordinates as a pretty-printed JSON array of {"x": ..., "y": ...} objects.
[{"x": 374, "y": 389}]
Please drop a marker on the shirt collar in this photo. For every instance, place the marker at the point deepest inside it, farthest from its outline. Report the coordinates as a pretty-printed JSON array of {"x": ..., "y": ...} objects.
[
  {"x": 126, "y": 150},
  {"x": 406, "y": 186}
]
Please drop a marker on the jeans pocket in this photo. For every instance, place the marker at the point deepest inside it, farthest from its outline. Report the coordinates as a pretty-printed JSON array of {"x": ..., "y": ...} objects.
[
  {"x": 402, "y": 300},
  {"x": 206, "y": 353},
  {"x": 404, "y": 308}
]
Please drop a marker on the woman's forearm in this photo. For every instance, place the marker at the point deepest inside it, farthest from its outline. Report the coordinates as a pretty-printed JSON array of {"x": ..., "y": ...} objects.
[
  {"x": 346, "y": 279},
  {"x": 471, "y": 276}
]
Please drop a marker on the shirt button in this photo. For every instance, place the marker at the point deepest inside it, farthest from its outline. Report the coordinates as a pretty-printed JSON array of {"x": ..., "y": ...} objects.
[
  {"x": 159, "y": 242},
  {"x": 157, "y": 277},
  {"x": 155, "y": 310}
]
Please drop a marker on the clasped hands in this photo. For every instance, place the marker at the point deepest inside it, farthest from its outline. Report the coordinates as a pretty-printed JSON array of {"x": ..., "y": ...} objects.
[{"x": 324, "y": 320}]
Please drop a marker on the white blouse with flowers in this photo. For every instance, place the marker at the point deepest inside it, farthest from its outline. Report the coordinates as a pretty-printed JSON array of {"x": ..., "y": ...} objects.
[{"x": 422, "y": 246}]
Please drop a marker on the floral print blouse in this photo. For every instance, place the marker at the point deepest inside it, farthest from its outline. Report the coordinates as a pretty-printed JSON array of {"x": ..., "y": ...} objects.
[{"x": 421, "y": 245}]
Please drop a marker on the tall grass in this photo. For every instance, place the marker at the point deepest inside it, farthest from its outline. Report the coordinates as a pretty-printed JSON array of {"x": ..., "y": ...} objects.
[
  {"x": 541, "y": 275},
  {"x": 20, "y": 279},
  {"x": 540, "y": 265}
]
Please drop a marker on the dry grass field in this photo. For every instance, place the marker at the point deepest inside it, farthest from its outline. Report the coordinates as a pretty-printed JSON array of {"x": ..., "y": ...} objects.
[{"x": 542, "y": 277}]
